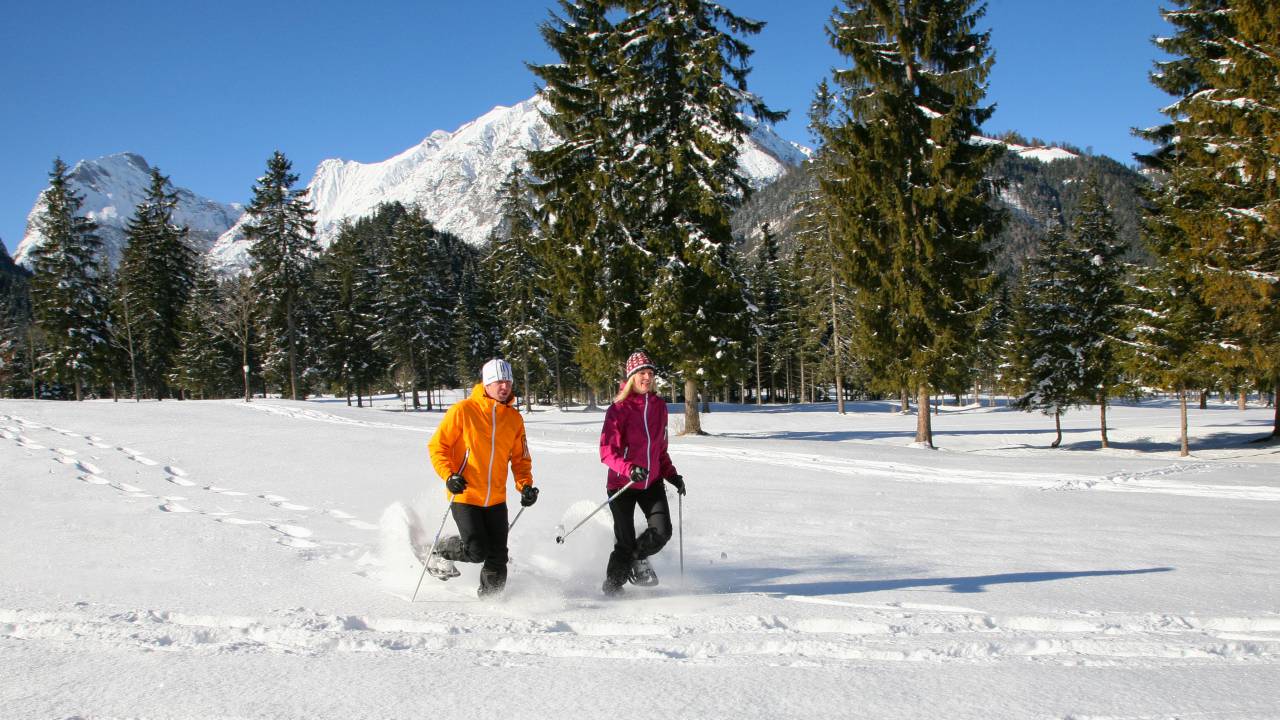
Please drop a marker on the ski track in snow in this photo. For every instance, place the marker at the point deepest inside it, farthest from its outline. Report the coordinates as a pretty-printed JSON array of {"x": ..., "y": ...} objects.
[
  {"x": 849, "y": 634},
  {"x": 290, "y": 535}
]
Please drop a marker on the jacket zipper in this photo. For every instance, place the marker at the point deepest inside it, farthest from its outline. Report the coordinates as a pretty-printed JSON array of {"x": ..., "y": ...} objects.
[
  {"x": 493, "y": 450},
  {"x": 648, "y": 453}
]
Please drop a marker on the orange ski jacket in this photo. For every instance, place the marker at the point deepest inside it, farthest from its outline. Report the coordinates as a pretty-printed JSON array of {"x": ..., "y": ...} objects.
[{"x": 490, "y": 435}]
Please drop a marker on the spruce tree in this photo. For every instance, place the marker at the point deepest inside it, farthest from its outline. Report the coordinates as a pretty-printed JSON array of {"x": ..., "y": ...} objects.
[
  {"x": 1101, "y": 272},
  {"x": 66, "y": 291},
  {"x": 589, "y": 239},
  {"x": 415, "y": 306},
  {"x": 281, "y": 229},
  {"x": 156, "y": 275},
  {"x": 522, "y": 303},
  {"x": 684, "y": 82},
  {"x": 908, "y": 187},
  {"x": 1219, "y": 152},
  {"x": 1055, "y": 340},
  {"x": 348, "y": 291},
  {"x": 206, "y": 364}
]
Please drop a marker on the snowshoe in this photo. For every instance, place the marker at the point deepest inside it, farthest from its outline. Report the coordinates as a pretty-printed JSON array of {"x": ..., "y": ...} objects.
[
  {"x": 441, "y": 567},
  {"x": 642, "y": 573}
]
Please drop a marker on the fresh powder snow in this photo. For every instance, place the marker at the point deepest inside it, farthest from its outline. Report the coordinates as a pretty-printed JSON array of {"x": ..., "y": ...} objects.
[{"x": 224, "y": 559}]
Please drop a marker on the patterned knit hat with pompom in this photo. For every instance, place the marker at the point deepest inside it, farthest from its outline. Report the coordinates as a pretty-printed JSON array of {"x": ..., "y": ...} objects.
[{"x": 637, "y": 362}]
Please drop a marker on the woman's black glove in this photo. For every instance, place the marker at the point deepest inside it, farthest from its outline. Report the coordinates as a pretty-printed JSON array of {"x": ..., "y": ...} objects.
[
  {"x": 528, "y": 496},
  {"x": 639, "y": 474},
  {"x": 456, "y": 483},
  {"x": 677, "y": 482}
]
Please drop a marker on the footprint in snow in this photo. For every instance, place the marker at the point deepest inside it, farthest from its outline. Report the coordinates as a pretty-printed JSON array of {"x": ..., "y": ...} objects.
[
  {"x": 223, "y": 491},
  {"x": 294, "y": 531},
  {"x": 340, "y": 514},
  {"x": 28, "y": 444},
  {"x": 95, "y": 480},
  {"x": 66, "y": 452},
  {"x": 175, "y": 471},
  {"x": 297, "y": 543},
  {"x": 238, "y": 521},
  {"x": 179, "y": 481},
  {"x": 290, "y": 506},
  {"x": 173, "y": 507},
  {"x": 126, "y": 487},
  {"x": 89, "y": 468},
  {"x": 143, "y": 460}
]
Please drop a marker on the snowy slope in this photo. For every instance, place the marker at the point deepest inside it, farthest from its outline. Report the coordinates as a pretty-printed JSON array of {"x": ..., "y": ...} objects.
[
  {"x": 455, "y": 176},
  {"x": 222, "y": 559},
  {"x": 112, "y": 187}
]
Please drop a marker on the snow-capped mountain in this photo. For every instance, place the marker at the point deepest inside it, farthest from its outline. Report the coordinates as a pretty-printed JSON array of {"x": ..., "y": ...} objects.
[
  {"x": 112, "y": 186},
  {"x": 454, "y": 176}
]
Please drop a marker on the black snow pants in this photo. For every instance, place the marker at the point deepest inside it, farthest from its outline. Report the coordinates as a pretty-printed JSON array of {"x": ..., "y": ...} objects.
[
  {"x": 652, "y": 501},
  {"x": 483, "y": 538}
]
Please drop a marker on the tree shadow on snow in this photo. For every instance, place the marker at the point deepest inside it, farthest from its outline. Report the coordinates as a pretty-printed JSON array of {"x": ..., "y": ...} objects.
[{"x": 975, "y": 584}]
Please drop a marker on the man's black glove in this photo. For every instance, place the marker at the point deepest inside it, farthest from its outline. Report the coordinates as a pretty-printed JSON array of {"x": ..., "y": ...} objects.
[
  {"x": 677, "y": 482},
  {"x": 528, "y": 496},
  {"x": 456, "y": 483},
  {"x": 639, "y": 474}
]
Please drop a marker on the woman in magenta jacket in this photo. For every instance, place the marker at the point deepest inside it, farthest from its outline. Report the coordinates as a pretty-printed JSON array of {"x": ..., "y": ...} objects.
[{"x": 633, "y": 443}]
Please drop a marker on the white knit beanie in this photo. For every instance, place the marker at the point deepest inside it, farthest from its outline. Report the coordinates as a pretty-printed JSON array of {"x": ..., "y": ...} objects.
[{"x": 496, "y": 370}]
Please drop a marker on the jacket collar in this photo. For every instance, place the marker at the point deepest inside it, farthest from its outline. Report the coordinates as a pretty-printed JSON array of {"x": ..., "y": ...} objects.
[{"x": 478, "y": 394}]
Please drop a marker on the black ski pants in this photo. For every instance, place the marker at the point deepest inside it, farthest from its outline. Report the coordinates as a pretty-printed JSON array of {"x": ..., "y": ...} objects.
[
  {"x": 482, "y": 538},
  {"x": 652, "y": 501}
]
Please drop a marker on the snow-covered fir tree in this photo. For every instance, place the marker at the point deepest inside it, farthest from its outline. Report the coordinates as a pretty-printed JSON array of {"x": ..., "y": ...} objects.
[
  {"x": 523, "y": 304},
  {"x": 347, "y": 300},
  {"x": 282, "y": 232},
  {"x": 156, "y": 275},
  {"x": 1219, "y": 202},
  {"x": 1054, "y": 339},
  {"x": 415, "y": 305},
  {"x": 206, "y": 364},
  {"x": 909, "y": 191},
  {"x": 684, "y": 79},
  {"x": 1101, "y": 273},
  {"x": 66, "y": 291},
  {"x": 590, "y": 240}
]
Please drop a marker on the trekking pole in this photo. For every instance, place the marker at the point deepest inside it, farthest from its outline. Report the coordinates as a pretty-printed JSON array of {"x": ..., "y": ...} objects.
[
  {"x": 680, "y": 530},
  {"x": 560, "y": 538},
  {"x": 466, "y": 454},
  {"x": 517, "y": 517}
]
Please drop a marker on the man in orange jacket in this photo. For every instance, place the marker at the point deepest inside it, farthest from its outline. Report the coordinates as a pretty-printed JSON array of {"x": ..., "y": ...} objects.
[{"x": 471, "y": 450}]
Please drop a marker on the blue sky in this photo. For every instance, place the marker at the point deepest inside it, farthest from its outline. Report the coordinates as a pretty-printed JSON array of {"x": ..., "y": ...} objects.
[{"x": 206, "y": 91}]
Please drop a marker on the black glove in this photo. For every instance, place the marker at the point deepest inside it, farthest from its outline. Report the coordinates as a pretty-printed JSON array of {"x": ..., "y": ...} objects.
[
  {"x": 639, "y": 474},
  {"x": 456, "y": 483},
  {"x": 528, "y": 496},
  {"x": 677, "y": 482}
]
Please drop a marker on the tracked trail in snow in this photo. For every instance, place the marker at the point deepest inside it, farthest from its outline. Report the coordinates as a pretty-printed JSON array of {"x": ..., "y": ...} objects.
[
  {"x": 178, "y": 492},
  {"x": 1172, "y": 479},
  {"x": 846, "y": 634}
]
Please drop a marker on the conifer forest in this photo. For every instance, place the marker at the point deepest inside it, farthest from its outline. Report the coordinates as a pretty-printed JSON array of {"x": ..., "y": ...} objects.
[{"x": 891, "y": 265}]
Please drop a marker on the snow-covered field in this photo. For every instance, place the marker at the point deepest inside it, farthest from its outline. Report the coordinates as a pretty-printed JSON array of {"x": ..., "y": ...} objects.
[{"x": 223, "y": 559}]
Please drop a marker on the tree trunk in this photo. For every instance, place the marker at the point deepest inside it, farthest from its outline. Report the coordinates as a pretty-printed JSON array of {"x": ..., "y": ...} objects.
[
  {"x": 1204, "y": 399},
  {"x": 758, "y": 399},
  {"x": 905, "y": 406},
  {"x": 692, "y": 423},
  {"x": 924, "y": 426},
  {"x": 1057, "y": 424},
  {"x": 1244, "y": 400},
  {"x": 1102, "y": 406},
  {"x": 293, "y": 353},
  {"x": 835, "y": 344},
  {"x": 1275, "y": 395},
  {"x": 1182, "y": 403}
]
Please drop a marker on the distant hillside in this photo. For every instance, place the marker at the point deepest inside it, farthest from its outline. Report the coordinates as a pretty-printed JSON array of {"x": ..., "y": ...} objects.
[{"x": 1036, "y": 191}]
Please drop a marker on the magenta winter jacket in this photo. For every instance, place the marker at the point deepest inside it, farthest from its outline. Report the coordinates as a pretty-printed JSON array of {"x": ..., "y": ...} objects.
[{"x": 635, "y": 433}]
